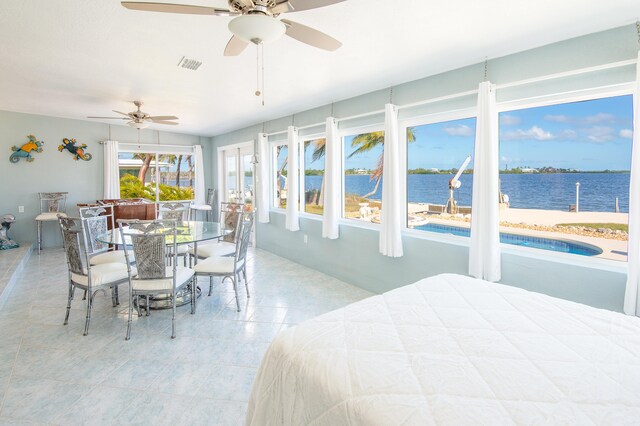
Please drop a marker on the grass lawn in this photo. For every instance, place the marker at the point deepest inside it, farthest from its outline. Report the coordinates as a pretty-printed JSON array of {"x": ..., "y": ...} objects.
[{"x": 613, "y": 226}]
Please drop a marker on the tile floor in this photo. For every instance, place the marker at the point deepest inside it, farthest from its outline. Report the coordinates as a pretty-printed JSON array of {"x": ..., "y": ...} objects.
[{"x": 51, "y": 374}]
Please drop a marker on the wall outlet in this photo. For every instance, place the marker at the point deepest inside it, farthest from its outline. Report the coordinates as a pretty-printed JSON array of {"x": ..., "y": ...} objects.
[
  {"x": 305, "y": 238},
  {"x": 20, "y": 209}
]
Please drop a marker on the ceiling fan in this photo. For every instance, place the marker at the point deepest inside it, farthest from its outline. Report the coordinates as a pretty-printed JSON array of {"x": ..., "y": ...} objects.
[
  {"x": 140, "y": 119},
  {"x": 256, "y": 21}
]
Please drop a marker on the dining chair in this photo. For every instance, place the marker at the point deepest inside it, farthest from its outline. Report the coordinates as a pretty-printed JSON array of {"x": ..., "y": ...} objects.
[
  {"x": 149, "y": 250},
  {"x": 230, "y": 267},
  {"x": 224, "y": 246},
  {"x": 52, "y": 204},
  {"x": 84, "y": 275},
  {"x": 175, "y": 211},
  {"x": 95, "y": 223}
]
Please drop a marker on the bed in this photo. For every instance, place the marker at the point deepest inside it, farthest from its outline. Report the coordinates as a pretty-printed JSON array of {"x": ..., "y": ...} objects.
[{"x": 453, "y": 350}]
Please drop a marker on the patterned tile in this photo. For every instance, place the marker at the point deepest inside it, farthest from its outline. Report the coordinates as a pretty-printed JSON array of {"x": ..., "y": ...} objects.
[{"x": 52, "y": 374}]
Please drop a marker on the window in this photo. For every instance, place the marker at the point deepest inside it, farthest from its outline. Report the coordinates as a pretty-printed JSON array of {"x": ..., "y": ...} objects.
[
  {"x": 155, "y": 176},
  {"x": 564, "y": 176},
  {"x": 363, "y": 176},
  {"x": 439, "y": 176},
  {"x": 281, "y": 155},
  {"x": 314, "y": 151}
]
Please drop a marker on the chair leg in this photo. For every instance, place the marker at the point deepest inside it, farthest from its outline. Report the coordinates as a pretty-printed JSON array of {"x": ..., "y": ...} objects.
[
  {"x": 129, "y": 320},
  {"x": 148, "y": 306},
  {"x": 88, "y": 320},
  {"x": 113, "y": 295},
  {"x": 71, "y": 291},
  {"x": 246, "y": 285},
  {"x": 138, "y": 306},
  {"x": 84, "y": 296},
  {"x": 117, "y": 296},
  {"x": 210, "y": 284},
  {"x": 173, "y": 315},
  {"x": 194, "y": 294},
  {"x": 235, "y": 289},
  {"x": 39, "y": 229}
]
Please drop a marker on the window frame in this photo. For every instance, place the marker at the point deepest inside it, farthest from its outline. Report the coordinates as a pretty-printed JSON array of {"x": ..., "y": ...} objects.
[
  {"x": 157, "y": 151},
  {"x": 273, "y": 167},
  {"x": 342, "y": 134},
  {"x": 403, "y": 125},
  {"x": 302, "y": 169}
]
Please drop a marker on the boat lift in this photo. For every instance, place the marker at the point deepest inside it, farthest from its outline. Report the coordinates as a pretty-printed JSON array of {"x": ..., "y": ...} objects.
[{"x": 454, "y": 184}]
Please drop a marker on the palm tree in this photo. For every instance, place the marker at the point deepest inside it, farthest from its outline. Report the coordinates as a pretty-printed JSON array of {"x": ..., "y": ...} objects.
[
  {"x": 366, "y": 142},
  {"x": 178, "y": 170},
  {"x": 146, "y": 163},
  {"x": 318, "y": 152}
]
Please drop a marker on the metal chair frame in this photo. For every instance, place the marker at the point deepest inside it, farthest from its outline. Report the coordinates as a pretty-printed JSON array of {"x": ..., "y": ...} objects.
[
  {"x": 243, "y": 230},
  {"x": 80, "y": 265},
  {"x": 150, "y": 252},
  {"x": 50, "y": 202}
]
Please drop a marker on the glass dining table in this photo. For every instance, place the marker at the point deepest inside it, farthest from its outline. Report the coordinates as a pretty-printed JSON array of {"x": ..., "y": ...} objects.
[{"x": 189, "y": 232}]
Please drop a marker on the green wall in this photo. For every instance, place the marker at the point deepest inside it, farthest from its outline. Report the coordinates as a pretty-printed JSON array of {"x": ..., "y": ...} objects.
[
  {"x": 354, "y": 256},
  {"x": 54, "y": 171}
]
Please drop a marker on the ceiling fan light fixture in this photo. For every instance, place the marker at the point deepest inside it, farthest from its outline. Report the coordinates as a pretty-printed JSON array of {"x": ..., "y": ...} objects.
[
  {"x": 257, "y": 28},
  {"x": 139, "y": 125}
]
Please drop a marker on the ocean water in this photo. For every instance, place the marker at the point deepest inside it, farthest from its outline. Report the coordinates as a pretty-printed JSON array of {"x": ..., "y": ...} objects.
[{"x": 526, "y": 191}]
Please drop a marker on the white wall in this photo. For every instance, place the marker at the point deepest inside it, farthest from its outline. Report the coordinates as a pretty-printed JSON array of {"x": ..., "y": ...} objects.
[
  {"x": 355, "y": 258},
  {"x": 54, "y": 171}
]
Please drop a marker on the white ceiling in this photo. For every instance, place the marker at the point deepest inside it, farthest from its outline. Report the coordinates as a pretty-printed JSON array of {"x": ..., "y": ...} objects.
[{"x": 73, "y": 58}]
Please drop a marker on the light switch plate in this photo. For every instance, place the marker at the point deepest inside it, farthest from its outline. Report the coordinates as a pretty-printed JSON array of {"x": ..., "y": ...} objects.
[{"x": 20, "y": 209}]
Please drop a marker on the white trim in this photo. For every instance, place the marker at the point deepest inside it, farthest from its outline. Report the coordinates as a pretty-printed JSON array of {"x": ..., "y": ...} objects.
[
  {"x": 437, "y": 237},
  {"x": 567, "y": 97},
  {"x": 359, "y": 224},
  {"x": 303, "y": 168},
  {"x": 343, "y": 134}
]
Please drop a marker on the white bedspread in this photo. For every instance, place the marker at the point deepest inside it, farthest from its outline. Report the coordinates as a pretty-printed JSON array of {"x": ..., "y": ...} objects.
[{"x": 453, "y": 350}]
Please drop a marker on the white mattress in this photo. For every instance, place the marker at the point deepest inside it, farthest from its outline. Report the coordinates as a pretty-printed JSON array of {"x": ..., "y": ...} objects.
[{"x": 453, "y": 350}]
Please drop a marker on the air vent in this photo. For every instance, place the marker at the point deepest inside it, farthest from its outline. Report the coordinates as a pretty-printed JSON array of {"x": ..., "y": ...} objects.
[{"x": 190, "y": 64}]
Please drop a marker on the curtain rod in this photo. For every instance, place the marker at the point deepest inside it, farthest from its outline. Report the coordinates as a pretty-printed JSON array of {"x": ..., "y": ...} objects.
[
  {"x": 155, "y": 145},
  {"x": 571, "y": 73}
]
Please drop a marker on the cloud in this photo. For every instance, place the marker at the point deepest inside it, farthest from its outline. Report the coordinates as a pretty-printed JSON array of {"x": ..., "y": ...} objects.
[
  {"x": 509, "y": 120},
  {"x": 600, "y": 134},
  {"x": 557, "y": 118},
  {"x": 600, "y": 118},
  {"x": 459, "y": 130},
  {"x": 534, "y": 133},
  {"x": 626, "y": 133},
  {"x": 568, "y": 134}
]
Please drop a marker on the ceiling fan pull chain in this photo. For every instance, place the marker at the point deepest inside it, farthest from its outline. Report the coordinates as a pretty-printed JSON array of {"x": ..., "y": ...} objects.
[
  {"x": 262, "y": 51},
  {"x": 258, "y": 93}
]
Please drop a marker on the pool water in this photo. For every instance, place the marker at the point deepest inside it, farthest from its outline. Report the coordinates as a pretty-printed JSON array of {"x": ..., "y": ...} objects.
[{"x": 562, "y": 246}]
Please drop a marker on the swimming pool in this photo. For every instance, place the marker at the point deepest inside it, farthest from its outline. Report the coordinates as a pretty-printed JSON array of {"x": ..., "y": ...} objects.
[{"x": 563, "y": 246}]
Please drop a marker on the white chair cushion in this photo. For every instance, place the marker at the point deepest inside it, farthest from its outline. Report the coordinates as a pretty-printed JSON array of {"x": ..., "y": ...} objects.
[
  {"x": 214, "y": 249},
  {"x": 201, "y": 207},
  {"x": 215, "y": 265},
  {"x": 104, "y": 274},
  {"x": 182, "y": 276},
  {"x": 183, "y": 249},
  {"x": 116, "y": 256},
  {"x": 49, "y": 216}
]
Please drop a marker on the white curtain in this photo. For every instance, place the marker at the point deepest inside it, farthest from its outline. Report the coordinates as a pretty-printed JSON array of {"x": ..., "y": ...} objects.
[
  {"x": 484, "y": 250},
  {"x": 111, "y": 171},
  {"x": 292, "y": 222},
  {"x": 332, "y": 181},
  {"x": 391, "y": 215},
  {"x": 632, "y": 293},
  {"x": 198, "y": 184},
  {"x": 262, "y": 182}
]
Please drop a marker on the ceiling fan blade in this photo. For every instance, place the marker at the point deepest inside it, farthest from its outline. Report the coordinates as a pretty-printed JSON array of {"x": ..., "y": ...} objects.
[
  {"x": 176, "y": 8},
  {"x": 173, "y": 123},
  {"x": 112, "y": 118},
  {"x": 235, "y": 46},
  {"x": 120, "y": 112},
  {"x": 282, "y": 7},
  {"x": 162, "y": 117},
  {"x": 300, "y": 5},
  {"x": 310, "y": 36}
]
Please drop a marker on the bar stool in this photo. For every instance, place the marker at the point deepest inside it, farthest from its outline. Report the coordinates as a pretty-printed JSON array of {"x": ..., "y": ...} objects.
[
  {"x": 206, "y": 208},
  {"x": 52, "y": 204}
]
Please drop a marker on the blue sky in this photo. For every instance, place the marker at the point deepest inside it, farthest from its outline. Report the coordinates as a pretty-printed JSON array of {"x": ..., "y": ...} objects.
[{"x": 589, "y": 135}]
